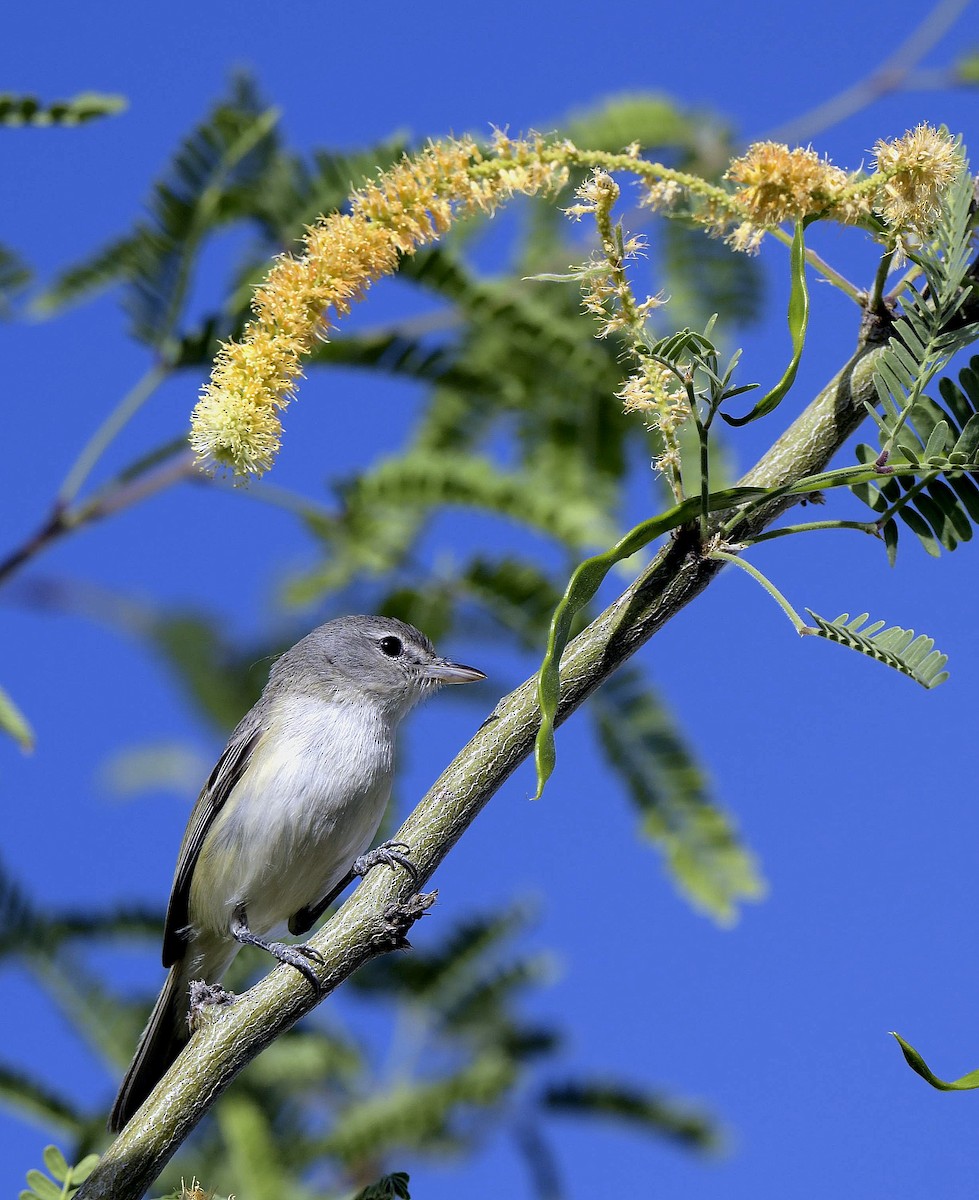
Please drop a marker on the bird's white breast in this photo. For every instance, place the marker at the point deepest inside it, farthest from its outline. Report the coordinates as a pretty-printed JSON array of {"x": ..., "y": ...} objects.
[{"x": 309, "y": 802}]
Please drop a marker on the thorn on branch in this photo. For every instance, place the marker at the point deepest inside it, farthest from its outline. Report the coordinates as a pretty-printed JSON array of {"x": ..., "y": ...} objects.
[
  {"x": 398, "y": 919},
  {"x": 204, "y": 997}
]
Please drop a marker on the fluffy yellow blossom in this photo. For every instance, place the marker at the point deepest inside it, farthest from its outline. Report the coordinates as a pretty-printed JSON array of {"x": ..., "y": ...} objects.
[
  {"x": 236, "y": 421},
  {"x": 664, "y": 195},
  {"x": 777, "y": 184},
  {"x": 655, "y": 392},
  {"x": 596, "y": 196},
  {"x": 915, "y": 169}
]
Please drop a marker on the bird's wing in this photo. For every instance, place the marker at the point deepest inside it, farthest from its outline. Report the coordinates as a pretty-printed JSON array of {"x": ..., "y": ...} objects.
[{"x": 229, "y": 769}]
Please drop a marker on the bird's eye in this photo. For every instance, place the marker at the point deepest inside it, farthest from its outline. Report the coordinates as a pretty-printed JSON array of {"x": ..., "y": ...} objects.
[{"x": 391, "y": 646}]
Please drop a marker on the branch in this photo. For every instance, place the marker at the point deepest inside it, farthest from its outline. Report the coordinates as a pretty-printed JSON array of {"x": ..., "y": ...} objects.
[
  {"x": 893, "y": 73},
  {"x": 379, "y": 912},
  {"x": 114, "y": 497}
]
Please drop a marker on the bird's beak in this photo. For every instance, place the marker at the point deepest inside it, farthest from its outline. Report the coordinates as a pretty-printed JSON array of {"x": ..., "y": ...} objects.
[{"x": 443, "y": 671}]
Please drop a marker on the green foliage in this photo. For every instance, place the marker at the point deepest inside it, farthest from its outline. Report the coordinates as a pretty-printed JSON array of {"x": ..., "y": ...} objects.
[
  {"x": 582, "y": 588},
  {"x": 388, "y": 1187},
  {"x": 14, "y": 723},
  {"x": 14, "y": 277},
  {"x": 652, "y": 120},
  {"x": 223, "y": 682},
  {"x": 967, "y": 1083},
  {"x": 649, "y": 1112},
  {"x": 913, "y": 656},
  {"x": 966, "y": 68},
  {"x": 941, "y": 504},
  {"x": 35, "y": 1102},
  {"x": 930, "y": 330},
  {"x": 702, "y": 276},
  {"x": 224, "y": 156},
  {"x": 668, "y": 788},
  {"x": 798, "y": 321},
  {"x": 86, "y": 106},
  {"x": 516, "y": 421},
  {"x": 63, "y": 1181}
]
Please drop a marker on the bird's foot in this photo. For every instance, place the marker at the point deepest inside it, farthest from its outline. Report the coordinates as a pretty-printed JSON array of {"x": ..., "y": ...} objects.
[
  {"x": 388, "y": 854},
  {"x": 204, "y": 996},
  {"x": 285, "y": 952}
]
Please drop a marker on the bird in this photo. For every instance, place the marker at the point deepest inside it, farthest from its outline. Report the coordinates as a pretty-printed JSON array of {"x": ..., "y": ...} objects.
[{"x": 281, "y": 825}]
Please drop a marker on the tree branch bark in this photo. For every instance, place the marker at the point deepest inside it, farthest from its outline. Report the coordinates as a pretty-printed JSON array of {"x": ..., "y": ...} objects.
[{"x": 376, "y": 916}]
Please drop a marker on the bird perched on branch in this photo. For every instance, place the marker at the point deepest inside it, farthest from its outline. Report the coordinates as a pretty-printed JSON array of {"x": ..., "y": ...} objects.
[{"x": 281, "y": 826}]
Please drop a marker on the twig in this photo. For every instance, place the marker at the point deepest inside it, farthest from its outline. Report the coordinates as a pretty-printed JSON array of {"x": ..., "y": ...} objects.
[
  {"x": 888, "y": 77},
  {"x": 110, "y": 499}
]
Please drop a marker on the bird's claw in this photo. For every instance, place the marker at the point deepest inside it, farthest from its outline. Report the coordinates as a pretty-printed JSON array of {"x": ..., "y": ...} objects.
[
  {"x": 285, "y": 952},
  {"x": 388, "y": 854}
]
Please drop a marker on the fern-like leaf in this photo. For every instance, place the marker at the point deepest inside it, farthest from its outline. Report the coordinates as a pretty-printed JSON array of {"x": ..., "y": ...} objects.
[
  {"x": 653, "y": 1113},
  {"x": 443, "y": 974},
  {"x": 388, "y": 1187},
  {"x": 15, "y": 275},
  {"x": 667, "y": 786},
  {"x": 384, "y": 508},
  {"x": 14, "y": 723},
  {"x": 224, "y": 157},
  {"x": 32, "y": 1101},
  {"x": 86, "y": 106},
  {"x": 941, "y": 504},
  {"x": 898, "y": 648},
  {"x": 421, "y": 1114},
  {"x": 927, "y": 334}
]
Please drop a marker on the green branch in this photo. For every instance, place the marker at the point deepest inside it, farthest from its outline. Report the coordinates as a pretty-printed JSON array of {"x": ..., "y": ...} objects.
[{"x": 360, "y": 930}]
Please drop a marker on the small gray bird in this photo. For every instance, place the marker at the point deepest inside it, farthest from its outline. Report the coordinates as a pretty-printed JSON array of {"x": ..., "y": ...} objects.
[{"x": 281, "y": 825}]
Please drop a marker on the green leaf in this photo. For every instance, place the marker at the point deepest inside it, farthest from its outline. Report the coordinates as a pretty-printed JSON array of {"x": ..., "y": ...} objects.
[
  {"x": 82, "y": 1169},
  {"x": 388, "y": 1187},
  {"x": 14, "y": 277},
  {"x": 411, "y": 1115},
  {"x": 101, "y": 270},
  {"x": 941, "y": 512},
  {"x": 43, "y": 1187},
  {"x": 668, "y": 788},
  {"x": 33, "y": 1101},
  {"x": 437, "y": 978},
  {"x": 223, "y": 682},
  {"x": 930, "y": 330},
  {"x": 702, "y": 276},
  {"x": 384, "y": 508},
  {"x": 228, "y": 154},
  {"x": 651, "y": 119},
  {"x": 13, "y": 721},
  {"x": 56, "y": 1163},
  {"x": 514, "y": 592},
  {"x": 648, "y": 1111},
  {"x": 252, "y": 1147},
  {"x": 86, "y": 106},
  {"x": 895, "y": 647},
  {"x": 582, "y": 587},
  {"x": 798, "y": 320},
  {"x": 966, "y": 1083}
]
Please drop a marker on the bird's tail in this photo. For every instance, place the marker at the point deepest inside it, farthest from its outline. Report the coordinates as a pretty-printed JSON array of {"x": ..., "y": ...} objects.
[{"x": 165, "y": 1035}]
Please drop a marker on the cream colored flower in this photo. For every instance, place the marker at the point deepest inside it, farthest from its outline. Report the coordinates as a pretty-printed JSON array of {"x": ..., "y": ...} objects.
[{"x": 916, "y": 170}]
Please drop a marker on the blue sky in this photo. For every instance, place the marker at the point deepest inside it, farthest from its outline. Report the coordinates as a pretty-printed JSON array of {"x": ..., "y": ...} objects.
[{"x": 854, "y": 787}]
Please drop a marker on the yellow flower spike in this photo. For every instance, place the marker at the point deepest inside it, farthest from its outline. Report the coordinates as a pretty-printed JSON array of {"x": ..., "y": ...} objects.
[{"x": 235, "y": 423}]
